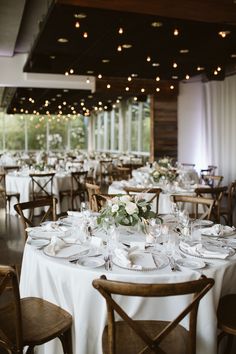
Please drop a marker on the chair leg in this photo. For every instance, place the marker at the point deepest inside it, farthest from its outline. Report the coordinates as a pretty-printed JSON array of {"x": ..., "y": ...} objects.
[
  {"x": 229, "y": 344},
  {"x": 30, "y": 350},
  {"x": 66, "y": 341}
]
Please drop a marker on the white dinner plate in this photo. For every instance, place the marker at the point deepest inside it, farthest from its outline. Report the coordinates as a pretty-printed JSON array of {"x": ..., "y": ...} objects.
[
  {"x": 190, "y": 263},
  {"x": 200, "y": 222},
  {"x": 90, "y": 262},
  {"x": 71, "y": 250},
  {"x": 160, "y": 260},
  {"x": 225, "y": 234},
  {"x": 38, "y": 243}
]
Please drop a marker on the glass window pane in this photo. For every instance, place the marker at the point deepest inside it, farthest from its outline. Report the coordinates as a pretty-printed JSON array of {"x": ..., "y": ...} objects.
[
  {"x": 14, "y": 132},
  {"x": 134, "y": 127},
  {"x": 146, "y": 127},
  {"x": 57, "y": 137},
  {"x": 36, "y": 133},
  {"x": 79, "y": 133},
  {"x": 116, "y": 132}
]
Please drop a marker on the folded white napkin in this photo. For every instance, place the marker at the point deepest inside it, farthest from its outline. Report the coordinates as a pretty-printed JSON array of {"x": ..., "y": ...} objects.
[
  {"x": 122, "y": 257},
  {"x": 48, "y": 230},
  {"x": 134, "y": 258},
  {"x": 204, "y": 250},
  {"x": 218, "y": 230},
  {"x": 54, "y": 246},
  {"x": 59, "y": 248}
]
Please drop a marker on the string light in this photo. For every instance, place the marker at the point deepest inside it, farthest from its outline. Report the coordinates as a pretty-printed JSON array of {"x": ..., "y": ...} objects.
[
  {"x": 148, "y": 58},
  {"x": 85, "y": 34},
  {"x": 129, "y": 78},
  {"x": 100, "y": 76},
  {"x": 142, "y": 90},
  {"x": 71, "y": 71},
  {"x": 120, "y": 31},
  {"x": 172, "y": 87},
  {"x": 175, "y": 65},
  {"x": 157, "y": 89},
  {"x": 77, "y": 24},
  {"x": 119, "y": 48},
  {"x": 157, "y": 78},
  {"x": 176, "y": 32},
  {"x": 108, "y": 86},
  {"x": 223, "y": 34},
  {"x": 127, "y": 88},
  {"x": 187, "y": 77}
]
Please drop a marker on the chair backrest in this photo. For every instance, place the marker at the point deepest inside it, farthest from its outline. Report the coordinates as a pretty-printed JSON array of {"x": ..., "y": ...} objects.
[
  {"x": 121, "y": 173},
  {"x": 216, "y": 193},
  {"x": 106, "y": 166},
  {"x": 155, "y": 191},
  {"x": 78, "y": 180},
  {"x": 213, "y": 181},
  {"x": 197, "y": 288},
  {"x": 201, "y": 207},
  {"x": 100, "y": 200},
  {"x": 11, "y": 168},
  {"x": 42, "y": 185},
  {"x": 92, "y": 189},
  {"x": 231, "y": 196},
  {"x": 190, "y": 165},
  {"x": 2, "y": 181},
  {"x": 10, "y": 311},
  {"x": 49, "y": 213}
]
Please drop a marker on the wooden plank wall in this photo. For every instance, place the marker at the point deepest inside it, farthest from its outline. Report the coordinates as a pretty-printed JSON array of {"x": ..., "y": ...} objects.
[{"x": 164, "y": 127}]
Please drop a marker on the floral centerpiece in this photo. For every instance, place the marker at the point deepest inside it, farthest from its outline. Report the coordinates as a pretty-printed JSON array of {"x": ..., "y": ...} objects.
[
  {"x": 163, "y": 170},
  {"x": 127, "y": 210}
]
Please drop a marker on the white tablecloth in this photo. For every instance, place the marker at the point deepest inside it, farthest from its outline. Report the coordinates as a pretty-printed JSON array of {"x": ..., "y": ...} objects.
[
  {"x": 22, "y": 184},
  {"x": 70, "y": 287}
]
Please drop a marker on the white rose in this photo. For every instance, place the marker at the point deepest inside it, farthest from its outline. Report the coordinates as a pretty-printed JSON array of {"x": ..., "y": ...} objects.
[
  {"x": 125, "y": 198},
  {"x": 115, "y": 200},
  {"x": 114, "y": 208},
  {"x": 131, "y": 208}
]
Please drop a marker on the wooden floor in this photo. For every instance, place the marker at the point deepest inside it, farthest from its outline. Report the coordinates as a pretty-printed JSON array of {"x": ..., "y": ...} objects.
[{"x": 11, "y": 238}]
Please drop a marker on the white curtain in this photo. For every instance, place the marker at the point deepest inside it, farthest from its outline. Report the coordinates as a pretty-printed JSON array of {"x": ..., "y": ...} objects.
[
  {"x": 207, "y": 125},
  {"x": 220, "y": 126}
]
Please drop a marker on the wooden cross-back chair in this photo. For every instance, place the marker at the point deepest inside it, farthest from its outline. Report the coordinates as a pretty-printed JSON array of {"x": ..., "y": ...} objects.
[
  {"x": 29, "y": 321},
  {"x": 145, "y": 336},
  {"x": 91, "y": 190},
  {"x": 105, "y": 171},
  {"x": 213, "y": 181},
  {"x": 121, "y": 173},
  {"x": 201, "y": 208},
  {"x": 100, "y": 200},
  {"x": 155, "y": 191},
  {"x": 42, "y": 185},
  {"x": 215, "y": 193},
  {"x": 226, "y": 212},
  {"x": 49, "y": 212},
  {"x": 7, "y": 196},
  {"x": 77, "y": 189}
]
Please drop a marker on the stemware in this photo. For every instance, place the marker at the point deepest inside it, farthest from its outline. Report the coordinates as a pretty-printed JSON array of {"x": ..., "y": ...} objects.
[{"x": 154, "y": 229}]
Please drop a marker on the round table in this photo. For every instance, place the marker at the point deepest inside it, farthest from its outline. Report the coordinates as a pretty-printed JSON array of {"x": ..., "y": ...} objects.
[{"x": 70, "y": 286}]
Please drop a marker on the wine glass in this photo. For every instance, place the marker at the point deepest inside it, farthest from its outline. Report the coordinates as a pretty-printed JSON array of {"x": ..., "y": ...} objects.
[{"x": 154, "y": 230}]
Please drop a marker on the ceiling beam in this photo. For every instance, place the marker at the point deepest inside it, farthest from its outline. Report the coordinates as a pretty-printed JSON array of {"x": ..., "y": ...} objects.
[
  {"x": 12, "y": 75},
  {"x": 214, "y": 11}
]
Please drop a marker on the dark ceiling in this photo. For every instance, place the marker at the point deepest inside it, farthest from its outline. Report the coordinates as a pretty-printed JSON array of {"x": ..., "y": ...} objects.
[{"x": 147, "y": 53}]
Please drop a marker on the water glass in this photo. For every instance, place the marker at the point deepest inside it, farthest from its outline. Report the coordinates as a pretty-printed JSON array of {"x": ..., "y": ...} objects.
[{"x": 195, "y": 232}]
